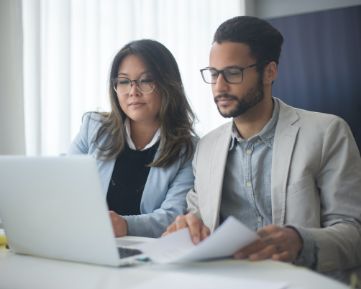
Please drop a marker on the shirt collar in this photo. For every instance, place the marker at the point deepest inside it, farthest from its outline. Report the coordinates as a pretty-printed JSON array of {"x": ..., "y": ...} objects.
[
  {"x": 265, "y": 135},
  {"x": 130, "y": 142}
]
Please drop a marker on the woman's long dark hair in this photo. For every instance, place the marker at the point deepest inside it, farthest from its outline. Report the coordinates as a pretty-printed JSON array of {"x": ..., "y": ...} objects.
[{"x": 176, "y": 116}]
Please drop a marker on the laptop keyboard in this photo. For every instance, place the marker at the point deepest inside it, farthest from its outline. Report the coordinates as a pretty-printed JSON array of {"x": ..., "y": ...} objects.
[{"x": 128, "y": 252}]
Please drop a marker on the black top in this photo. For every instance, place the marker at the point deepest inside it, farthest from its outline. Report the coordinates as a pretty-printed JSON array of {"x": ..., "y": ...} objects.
[{"x": 128, "y": 180}]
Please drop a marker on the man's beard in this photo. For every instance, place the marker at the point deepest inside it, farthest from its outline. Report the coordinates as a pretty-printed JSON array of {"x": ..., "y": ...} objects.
[{"x": 250, "y": 99}]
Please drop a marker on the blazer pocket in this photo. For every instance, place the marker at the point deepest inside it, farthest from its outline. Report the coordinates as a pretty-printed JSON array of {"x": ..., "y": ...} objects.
[
  {"x": 305, "y": 184},
  {"x": 303, "y": 203}
]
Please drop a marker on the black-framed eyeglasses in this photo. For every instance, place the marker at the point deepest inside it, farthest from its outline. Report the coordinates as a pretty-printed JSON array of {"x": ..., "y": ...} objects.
[
  {"x": 232, "y": 74},
  {"x": 123, "y": 85}
]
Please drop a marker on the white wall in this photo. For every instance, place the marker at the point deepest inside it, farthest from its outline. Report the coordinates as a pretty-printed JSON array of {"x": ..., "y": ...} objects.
[
  {"x": 12, "y": 137},
  {"x": 278, "y": 8}
]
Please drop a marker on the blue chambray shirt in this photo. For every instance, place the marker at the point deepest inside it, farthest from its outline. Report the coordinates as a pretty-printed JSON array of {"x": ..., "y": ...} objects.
[{"x": 246, "y": 193}]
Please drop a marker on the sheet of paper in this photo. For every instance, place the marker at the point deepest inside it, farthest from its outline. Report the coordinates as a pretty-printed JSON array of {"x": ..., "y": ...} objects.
[
  {"x": 178, "y": 247},
  {"x": 129, "y": 241},
  {"x": 206, "y": 281}
]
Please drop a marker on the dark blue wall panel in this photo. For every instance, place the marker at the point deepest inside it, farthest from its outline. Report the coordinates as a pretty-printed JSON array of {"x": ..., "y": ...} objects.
[{"x": 320, "y": 65}]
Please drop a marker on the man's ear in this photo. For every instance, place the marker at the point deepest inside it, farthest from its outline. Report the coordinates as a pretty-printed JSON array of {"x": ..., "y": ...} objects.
[{"x": 270, "y": 73}]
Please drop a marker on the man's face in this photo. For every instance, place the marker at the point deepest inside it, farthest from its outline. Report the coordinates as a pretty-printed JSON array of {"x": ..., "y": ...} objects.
[{"x": 235, "y": 99}]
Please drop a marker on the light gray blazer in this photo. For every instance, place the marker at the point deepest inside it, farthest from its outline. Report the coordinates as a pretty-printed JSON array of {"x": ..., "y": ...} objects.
[
  {"x": 164, "y": 192},
  {"x": 315, "y": 182}
]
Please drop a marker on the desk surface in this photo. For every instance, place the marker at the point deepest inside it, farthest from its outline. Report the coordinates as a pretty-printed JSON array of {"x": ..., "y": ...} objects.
[{"x": 30, "y": 272}]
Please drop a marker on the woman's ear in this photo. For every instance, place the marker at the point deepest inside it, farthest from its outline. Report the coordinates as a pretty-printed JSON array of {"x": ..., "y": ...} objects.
[{"x": 270, "y": 72}]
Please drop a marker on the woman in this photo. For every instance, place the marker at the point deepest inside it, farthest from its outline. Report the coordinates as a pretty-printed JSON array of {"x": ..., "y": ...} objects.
[{"x": 145, "y": 144}]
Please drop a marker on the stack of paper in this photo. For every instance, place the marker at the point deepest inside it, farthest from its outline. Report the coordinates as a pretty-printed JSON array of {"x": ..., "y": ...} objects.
[{"x": 178, "y": 247}]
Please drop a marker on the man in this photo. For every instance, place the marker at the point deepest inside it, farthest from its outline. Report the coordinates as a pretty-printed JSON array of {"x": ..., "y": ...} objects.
[{"x": 292, "y": 175}]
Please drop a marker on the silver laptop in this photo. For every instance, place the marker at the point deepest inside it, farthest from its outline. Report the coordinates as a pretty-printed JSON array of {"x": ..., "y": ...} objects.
[{"x": 53, "y": 207}]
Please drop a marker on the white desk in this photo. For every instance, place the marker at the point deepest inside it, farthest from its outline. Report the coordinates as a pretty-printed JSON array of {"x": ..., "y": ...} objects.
[{"x": 18, "y": 272}]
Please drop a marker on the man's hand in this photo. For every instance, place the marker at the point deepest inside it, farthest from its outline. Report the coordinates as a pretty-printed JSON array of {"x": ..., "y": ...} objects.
[
  {"x": 276, "y": 243},
  {"x": 197, "y": 229},
  {"x": 120, "y": 225}
]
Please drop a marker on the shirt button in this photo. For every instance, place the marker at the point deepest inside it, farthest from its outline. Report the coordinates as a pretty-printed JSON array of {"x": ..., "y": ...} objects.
[
  {"x": 248, "y": 184},
  {"x": 248, "y": 151}
]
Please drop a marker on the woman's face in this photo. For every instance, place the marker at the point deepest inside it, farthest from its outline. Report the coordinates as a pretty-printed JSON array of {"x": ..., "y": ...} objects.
[{"x": 139, "y": 100}]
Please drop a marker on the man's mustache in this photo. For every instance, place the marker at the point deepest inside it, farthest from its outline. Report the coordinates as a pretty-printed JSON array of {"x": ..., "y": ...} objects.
[{"x": 224, "y": 96}]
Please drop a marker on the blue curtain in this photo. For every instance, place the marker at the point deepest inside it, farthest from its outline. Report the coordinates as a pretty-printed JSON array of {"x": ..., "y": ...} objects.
[{"x": 320, "y": 65}]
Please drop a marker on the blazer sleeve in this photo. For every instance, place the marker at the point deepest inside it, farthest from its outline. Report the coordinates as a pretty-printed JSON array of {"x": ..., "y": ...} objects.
[
  {"x": 339, "y": 239},
  {"x": 192, "y": 197},
  {"x": 154, "y": 223}
]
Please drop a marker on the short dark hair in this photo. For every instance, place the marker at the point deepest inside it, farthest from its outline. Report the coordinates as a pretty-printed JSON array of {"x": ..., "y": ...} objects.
[
  {"x": 264, "y": 40},
  {"x": 176, "y": 116}
]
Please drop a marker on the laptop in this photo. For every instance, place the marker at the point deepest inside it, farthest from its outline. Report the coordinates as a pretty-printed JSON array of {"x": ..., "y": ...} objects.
[{"x": 54, "y": 207}]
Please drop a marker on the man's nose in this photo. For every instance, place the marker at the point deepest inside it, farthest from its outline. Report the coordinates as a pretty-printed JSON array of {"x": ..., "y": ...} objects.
[{"x": 221, "y": 83}]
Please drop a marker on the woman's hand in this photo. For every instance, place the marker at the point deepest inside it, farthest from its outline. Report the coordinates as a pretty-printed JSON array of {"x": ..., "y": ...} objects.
[{"x": 120, "y": 225}]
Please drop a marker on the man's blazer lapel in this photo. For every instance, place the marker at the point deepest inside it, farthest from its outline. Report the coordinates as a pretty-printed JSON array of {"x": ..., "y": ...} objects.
[
  {"x": 283, "y": 146},
  {"x": 217, "y": 163}
]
